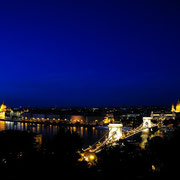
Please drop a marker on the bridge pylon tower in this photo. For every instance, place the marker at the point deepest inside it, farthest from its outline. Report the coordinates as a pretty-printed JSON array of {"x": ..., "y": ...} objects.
[
  {"x": 115, "y": 132},
  {"x": 147, "y": 122}
]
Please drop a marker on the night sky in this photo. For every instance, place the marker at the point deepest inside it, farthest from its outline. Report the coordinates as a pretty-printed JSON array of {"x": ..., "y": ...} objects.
[{"x": 89, "y": 53}]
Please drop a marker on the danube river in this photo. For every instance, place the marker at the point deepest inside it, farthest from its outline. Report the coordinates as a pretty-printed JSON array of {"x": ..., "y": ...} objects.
[{"x": 89, "y": 135}]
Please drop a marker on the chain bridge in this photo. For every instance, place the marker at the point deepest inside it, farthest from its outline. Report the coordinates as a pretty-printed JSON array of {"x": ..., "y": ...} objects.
[{"x": 114, "y": 135}]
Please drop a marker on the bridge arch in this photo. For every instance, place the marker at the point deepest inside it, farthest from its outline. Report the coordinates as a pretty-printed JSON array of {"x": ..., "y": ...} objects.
[
  {"x": 115, "y": 132},
  {"x": 147, "y": 122}
]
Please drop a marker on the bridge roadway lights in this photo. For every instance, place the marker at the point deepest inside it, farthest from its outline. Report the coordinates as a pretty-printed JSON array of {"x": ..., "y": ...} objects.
[
  {"x": 147, "y": 122},
  {"x": 115, "y": 131}
]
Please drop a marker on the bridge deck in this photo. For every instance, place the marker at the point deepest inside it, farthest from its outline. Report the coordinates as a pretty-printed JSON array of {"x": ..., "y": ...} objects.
[{"x": 98, "y": 146}]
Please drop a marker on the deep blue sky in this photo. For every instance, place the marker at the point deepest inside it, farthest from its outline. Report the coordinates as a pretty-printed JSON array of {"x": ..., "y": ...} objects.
[{"x": 89, "y": 52}]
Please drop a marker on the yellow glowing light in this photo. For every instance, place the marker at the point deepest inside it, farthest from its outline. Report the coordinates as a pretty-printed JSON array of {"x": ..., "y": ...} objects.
[
  {"x": 91, "y": 157},
  {"x": 177, "y": 109},
  {"x": 153, "y": 168},
  {"x": 2, "y": 111},
  {"x": 173, "y": 108}
]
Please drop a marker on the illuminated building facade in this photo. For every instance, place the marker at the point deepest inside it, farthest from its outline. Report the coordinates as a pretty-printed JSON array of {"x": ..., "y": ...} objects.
[
  {"x": 177, "y": 109},
  {"x": 8, "y": 113},
  {"x": 77, "y": 119},
  {"x": 3, "y": 109},
  {"x": 163, "y": 115},
  {"x": 167, "y": 115},
  {"x": 109, "y": 118}
]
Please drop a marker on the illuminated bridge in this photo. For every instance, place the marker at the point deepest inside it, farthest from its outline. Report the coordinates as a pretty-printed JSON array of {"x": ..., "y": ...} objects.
[{"x": 114, "y": 135}]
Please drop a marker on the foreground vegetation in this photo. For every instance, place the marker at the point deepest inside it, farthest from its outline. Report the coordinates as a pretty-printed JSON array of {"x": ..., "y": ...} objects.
[{"x": 58, "y": 158}]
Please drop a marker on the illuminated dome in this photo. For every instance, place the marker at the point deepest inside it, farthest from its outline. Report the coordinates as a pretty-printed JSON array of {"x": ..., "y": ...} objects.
[
  {"x": 3, "y": 106},
  {"x": 178, "y": 107}
]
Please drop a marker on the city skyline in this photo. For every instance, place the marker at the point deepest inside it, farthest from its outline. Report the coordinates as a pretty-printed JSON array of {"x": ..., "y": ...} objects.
[
  {"x": 170, "y": 106},
  {"x": 89, "y": 53}
]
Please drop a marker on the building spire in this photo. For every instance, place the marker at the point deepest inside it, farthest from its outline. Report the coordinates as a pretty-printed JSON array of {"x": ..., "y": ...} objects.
[{"x": 172, "y": 108}]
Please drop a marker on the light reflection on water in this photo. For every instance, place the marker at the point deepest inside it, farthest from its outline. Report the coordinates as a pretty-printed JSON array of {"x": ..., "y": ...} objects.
[
  {"x": 89, "y": 135},
  {"x": 144, "y": 138},
  {"x": 148, "y": 134}
]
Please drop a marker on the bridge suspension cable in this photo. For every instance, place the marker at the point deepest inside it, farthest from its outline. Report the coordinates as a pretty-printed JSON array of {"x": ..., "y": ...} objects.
[
  {"x": 96, "y": 141},
  {"x": 96, "y": 147},
  {"x": 91, "y": 149}
]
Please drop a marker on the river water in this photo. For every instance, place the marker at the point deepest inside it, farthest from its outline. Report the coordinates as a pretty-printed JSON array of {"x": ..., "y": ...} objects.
[{"x": 89, "y": 135}]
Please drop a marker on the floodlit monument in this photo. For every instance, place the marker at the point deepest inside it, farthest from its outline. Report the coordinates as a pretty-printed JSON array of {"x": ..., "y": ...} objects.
[
  {"x": 3, "y": 111},
  {"x": 177, "y": 109}
]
